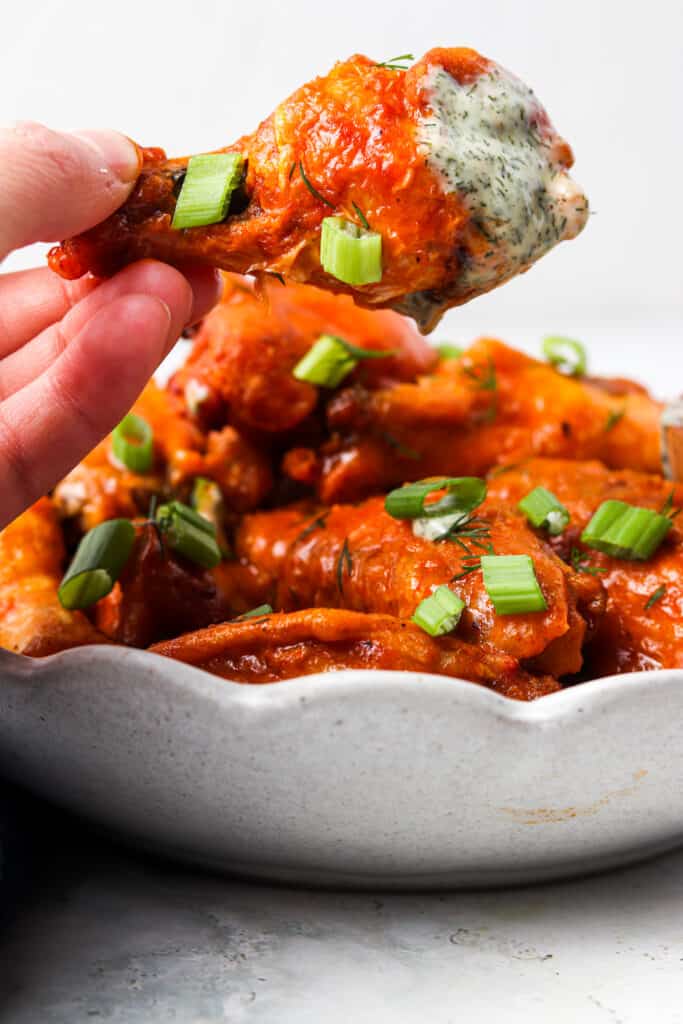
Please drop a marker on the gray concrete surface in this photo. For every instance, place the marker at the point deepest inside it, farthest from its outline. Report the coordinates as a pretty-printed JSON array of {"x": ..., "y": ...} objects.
[{"x": 111, "y": 936}]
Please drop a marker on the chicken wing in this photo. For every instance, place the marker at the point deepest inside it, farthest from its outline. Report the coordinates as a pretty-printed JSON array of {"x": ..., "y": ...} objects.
[
  {"x": 453, "y": 162},
  {"x": 641, "y": 627},
  {"x": 32, "y": 621},
  {"x": 273, "y": 647},
  {"x": 360, "y": 558},
  {"x": 158, "y": 595},
  {"x": 100, "y": 488},
  {"x": 494, "y": 406},
  {"x": 240, "y": 367}
]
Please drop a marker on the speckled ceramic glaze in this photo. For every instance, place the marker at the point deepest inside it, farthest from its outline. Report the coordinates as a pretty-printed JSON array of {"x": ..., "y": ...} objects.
[{"x": 389, "y": 779}]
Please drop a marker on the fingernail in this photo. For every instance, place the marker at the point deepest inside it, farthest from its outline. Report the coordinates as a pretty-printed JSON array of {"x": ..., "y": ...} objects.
[{"x": 117, "y": 152}]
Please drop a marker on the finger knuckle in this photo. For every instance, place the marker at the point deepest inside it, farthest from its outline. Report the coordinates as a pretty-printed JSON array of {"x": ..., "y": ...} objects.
[{"x": 17, "y": 469}]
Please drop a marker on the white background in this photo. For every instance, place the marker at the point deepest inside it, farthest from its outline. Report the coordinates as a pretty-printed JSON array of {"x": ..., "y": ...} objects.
[{"x": 192, "y": 75}]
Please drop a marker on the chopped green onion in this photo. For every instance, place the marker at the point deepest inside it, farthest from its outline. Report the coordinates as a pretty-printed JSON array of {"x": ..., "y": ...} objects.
[
  {"x": 350, "y": 253},
  {"x": 511, "y": 583},
  {"x": 97, "y": 564},
  {"x": 440, "y": 613},
  {"x": 543, "y": 510},
  {"x": 263, "y": 609},
  {"x": 332, "y": 359},
  {"x": 566, "y": 355},
  {"x": 463, "y": 493},
  {"x": 327, "y": 363},
  {"x": 189, "y": 533},
  {"x": 207, "y": 499},
  {"x": 626, "y": 531},
  {"x": 448, "y": 351},
  {"x": 208, "y": 186},
  {"x": 132, "y": 442}
]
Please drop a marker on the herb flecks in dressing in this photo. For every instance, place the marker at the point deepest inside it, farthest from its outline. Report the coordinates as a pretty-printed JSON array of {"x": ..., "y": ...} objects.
[{"x": 490, "y": 141}]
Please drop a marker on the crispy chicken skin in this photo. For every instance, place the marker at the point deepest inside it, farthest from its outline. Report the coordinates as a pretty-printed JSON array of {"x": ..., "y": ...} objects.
[
  {"x": 630, "y": 636},
  {"x": 495, "y": 406},
  {"x": 391, "y": 142},
  {"x": 273, "y": 647},
  {"x": 360, "y": 558},
  {"x": 240, "y": 367},
  {"x": 32, "y": 621}
]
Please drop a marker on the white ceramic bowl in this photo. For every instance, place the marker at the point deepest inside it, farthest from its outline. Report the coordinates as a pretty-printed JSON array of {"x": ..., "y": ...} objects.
[{"x": 389, "y": 779}]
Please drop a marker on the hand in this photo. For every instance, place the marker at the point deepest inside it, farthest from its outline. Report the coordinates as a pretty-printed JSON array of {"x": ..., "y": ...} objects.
[{"x": 74, "y": 356}]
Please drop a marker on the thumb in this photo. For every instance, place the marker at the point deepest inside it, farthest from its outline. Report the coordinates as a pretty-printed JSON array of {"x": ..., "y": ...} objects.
[{"x": 54, "y": 184}]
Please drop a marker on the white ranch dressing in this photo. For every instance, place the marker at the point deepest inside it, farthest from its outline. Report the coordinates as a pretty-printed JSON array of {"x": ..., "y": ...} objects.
[{"x": 483, "y": 141}]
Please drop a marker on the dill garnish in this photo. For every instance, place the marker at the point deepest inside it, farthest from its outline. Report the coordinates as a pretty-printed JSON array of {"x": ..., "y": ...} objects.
[
  {"x": 580, "y": 563},
  {"x": 484, "y": 375},
  {"x": 396, "y": 63},
  {"x": 398, "y": 446},
  {"x": 318, "y": 523},
  {"x": 344, "y": 558},
  {"x": 468, "y": 567},
  {"x": 667, "y": 508},
  {"x": 613, "y": 417},
  {"x": 485, "y": 379},
  {"x": 655, "y": 596},
  {"x": 361, "y": 216},
  {"x": 291, "y": 170},
  {"x": 311, "y": 188},
  {"x": 274, "y": 273}
]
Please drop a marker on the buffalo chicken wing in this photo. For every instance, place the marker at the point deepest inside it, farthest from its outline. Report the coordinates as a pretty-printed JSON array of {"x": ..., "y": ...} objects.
[
  {"x": 453, "y": 162},
  {"x": 272, "y": 647},
  {"x": 641, "y": 626},
  {"x": 360, "y": 558}
]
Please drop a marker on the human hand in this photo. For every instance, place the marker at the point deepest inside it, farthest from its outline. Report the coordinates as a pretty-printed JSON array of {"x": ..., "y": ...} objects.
[{"x": 74, "y": 355}]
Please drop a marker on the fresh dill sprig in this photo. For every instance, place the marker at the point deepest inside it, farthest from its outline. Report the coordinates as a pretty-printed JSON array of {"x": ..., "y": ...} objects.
[
  {"x": 580, "y": 563},
  {"x": 399, "y": 447},
  {"x": 344, "y": 559},
  {"x": 274, "y": 273},
  {"x": 361, "y": 216},
  {"x": 396, "y": 63},
  {"x": 668, "y": 508},
  {"x": 311, "y": 188},
  {"x": 484, "y": 377},
  {"x": 483, "y": 374},
  {"x": 468, "y": 567},
  {"x": 614, "y": 416},
  {"x": 655, "y": 596},
  {"x": 318, "y": 523}
]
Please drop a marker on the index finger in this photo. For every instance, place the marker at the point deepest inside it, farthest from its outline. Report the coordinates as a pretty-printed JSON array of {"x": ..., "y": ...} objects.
[{"x": 54, "y": 185}]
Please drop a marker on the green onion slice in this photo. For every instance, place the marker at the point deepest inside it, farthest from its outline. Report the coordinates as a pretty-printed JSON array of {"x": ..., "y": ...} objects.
[
  {"x": 331, "y": 359},
  {"x": 350, "y": 253},
  {"x": 544, "y": 511},
  {"x": 132, "y": 443},
  {"x": 207, "y": 500},
  {"x": 448, "y": 351},
  {"x": 439, "y": 613},
  {"x": 625, "y": 531},
  {"x": 263, "y": 609},
  {"x": 463, "y": 494},
  {"x": 511, "y": 583},
  {"x": 209, "y": 183},
  {"x": 97, "y": 564},
  {"x": 189, "y": 533},
  {"x": 566, "y": 355}
]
